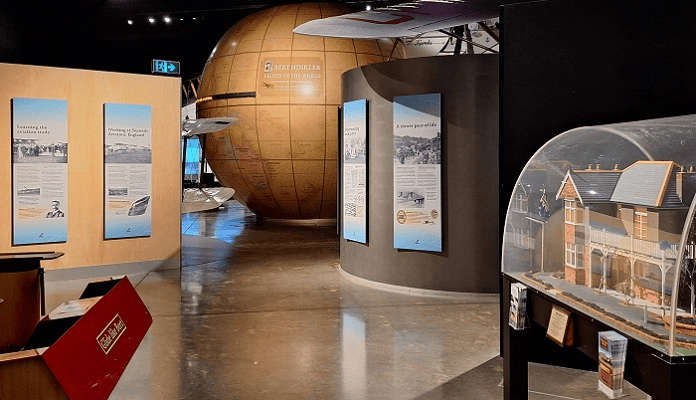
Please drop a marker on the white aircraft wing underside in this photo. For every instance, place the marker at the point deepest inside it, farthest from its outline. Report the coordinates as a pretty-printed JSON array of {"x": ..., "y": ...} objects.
[
  {"x": 403, "y": 20},
  {"x": 202, "y": 126},
  {"x": 203, "y": 199}
]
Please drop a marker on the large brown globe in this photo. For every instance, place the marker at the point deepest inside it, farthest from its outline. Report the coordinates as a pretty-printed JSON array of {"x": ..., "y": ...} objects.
[{"x": 285, "y": 89}]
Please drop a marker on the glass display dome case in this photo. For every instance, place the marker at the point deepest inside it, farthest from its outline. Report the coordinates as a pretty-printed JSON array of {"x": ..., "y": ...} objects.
[{"x": 601, "y": 220}]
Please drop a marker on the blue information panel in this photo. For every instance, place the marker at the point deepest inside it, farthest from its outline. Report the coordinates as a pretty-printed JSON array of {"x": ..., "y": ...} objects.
[
  {"x": 39, "y": 171},
  {"x": 127, "y": 170},
  {"x": 166, "y": 67},
  {"x": 355, "y": 171},
  {"x": 417, "y": 173}
]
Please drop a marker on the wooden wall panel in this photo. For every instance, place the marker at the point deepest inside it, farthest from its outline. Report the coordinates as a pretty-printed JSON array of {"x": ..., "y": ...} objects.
[{"x": 86, "y": 92}]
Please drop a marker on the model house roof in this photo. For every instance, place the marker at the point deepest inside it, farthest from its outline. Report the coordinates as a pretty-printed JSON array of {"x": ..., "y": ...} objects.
[
  {"x": 671, "y": 198},
  {"x": 594, "y": 187},
  {"x": 643, "y": 183},
  {"x": 522, "y": 189}
]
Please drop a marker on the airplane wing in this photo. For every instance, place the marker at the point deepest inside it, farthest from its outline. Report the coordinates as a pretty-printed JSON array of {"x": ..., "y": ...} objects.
[
  {"x": 201, "y": 126},
  {"x": 202, "y": 199},
  {"x": 403, "y": 20}
]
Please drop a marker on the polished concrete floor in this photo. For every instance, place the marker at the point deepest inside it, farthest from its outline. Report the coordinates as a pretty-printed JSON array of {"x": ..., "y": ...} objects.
[
  {"x": 260, "y": 310},
  {"x": 545, "y": 383}
]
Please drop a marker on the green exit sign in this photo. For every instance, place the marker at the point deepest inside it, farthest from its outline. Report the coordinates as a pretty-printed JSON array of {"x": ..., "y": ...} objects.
[{"x": 166, "y": 67}]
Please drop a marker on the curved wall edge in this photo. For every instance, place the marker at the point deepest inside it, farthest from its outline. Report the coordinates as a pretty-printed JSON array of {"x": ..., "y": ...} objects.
[
  {"x": 469, "y": 88},
  {"x": 467, "y": 297}
]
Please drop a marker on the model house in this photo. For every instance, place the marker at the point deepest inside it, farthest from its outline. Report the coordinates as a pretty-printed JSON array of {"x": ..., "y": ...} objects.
[
  {"x": 519, "y": 231},
  {"x": 526, "y": 221},
  {"x": 622, "y": 226}
]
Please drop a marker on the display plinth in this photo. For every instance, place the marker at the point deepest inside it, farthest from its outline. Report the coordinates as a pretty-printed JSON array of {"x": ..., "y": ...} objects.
[
  {"x": 79, "y": 350},
  {"x": 11, "y": 262},
  {"x": 652, "y": 371}
]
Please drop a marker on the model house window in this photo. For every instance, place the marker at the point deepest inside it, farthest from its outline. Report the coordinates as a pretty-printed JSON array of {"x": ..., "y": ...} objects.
[
  {"x": 521, "y": 203},
  {"x": 570, "y": 210},
  {"x": 640, "y": 225},
  {"x": 571, "y": 254}
]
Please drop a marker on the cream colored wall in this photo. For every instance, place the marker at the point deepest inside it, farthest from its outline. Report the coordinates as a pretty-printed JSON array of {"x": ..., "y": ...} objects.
[{"x": 86, "y": 92}]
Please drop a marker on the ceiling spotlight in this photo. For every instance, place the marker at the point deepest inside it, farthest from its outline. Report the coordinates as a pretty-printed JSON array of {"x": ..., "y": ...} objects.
[
  {"x": 167, "y": 20},
  {"x": 150, "y": 20},
  {"x": 181, "y": 19},
  {"x": 130, "y": 22},
  {"x": 368, "y": 7},
  {"x": 194, "y": 18}
]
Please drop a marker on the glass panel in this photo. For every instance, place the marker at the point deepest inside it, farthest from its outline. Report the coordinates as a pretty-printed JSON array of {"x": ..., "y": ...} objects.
[
  {"x": 605, "y": 210},
  {"x": 683, "y": 335},
  {"x": 193, "y": 159}
]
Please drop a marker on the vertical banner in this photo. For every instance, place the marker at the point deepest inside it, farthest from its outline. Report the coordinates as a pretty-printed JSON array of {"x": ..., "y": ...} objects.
[
  {"x": 355, "y": 171},
  {"x": 127, "y": 170},
  {"x": 39, "y": 171},
  {"x": 417, "y": 173}
]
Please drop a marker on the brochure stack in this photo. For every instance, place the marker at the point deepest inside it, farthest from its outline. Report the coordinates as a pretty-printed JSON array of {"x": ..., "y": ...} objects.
[
  {"x": 612, "y": 359},
  {"x": 518, "y": 306}
]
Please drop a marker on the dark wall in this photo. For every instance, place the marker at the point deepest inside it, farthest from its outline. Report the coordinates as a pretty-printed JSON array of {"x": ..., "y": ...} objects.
[
  {"x": 469, "y": 88},
  {"x": 94, "y": 34},
  {"x": 569, "y": 63}
]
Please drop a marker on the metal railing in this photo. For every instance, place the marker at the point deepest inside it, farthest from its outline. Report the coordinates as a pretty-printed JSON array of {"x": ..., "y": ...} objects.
[{"x": 632, "y": 245}]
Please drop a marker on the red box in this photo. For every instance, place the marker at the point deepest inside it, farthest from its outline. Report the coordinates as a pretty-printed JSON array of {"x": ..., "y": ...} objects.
[{"x": 84, "y": 345}]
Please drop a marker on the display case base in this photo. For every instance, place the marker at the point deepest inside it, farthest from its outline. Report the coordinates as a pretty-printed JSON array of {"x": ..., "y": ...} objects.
[{"x": 650, "y": 370}]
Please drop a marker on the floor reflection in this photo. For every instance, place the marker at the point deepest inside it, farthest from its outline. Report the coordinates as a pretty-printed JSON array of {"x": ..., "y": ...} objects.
[
  {"x": 262, "y": 312},
  {"x": 224, "y": 223},
  {"x": 353, "y": 353},
  {"x": 545, "y": 383}
]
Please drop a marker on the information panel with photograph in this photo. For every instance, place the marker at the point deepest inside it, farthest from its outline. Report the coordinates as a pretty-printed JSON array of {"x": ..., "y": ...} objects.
[
  {"x": 417, "y": 172},
  {"x": 355, "y": 171},
  {"x": 127, "y": 170},
  {"x": 39, "y": 171}
]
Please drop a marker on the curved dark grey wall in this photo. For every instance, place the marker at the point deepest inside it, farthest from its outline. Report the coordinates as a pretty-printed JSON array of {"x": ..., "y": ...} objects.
[{"x": 469, "y": 88}]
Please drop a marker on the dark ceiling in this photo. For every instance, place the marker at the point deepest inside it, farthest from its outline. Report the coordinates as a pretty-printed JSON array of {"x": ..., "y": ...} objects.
[{"x": 95, "y": 34}]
